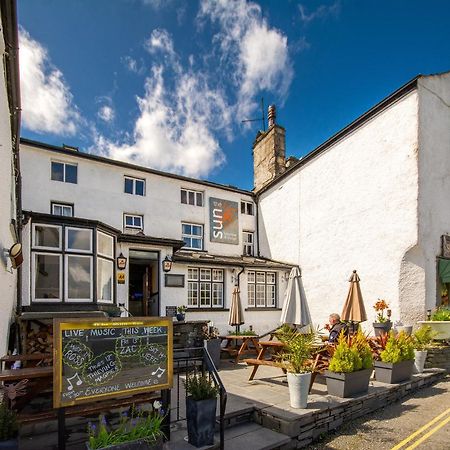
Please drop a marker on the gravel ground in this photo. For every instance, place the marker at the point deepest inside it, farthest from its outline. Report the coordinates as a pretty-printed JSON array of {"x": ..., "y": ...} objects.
[{"x": 388, "y": 426}]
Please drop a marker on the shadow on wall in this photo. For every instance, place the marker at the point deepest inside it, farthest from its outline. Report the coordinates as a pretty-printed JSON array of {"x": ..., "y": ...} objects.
[{"x": 412, "y": 287}]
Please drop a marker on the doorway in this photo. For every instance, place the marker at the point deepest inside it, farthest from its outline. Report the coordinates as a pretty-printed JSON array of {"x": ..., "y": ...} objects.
[{"x": 143, "y": 283}]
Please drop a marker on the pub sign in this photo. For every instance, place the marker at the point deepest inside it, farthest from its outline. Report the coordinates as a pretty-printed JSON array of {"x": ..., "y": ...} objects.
[{"x": 223, "y": 221}]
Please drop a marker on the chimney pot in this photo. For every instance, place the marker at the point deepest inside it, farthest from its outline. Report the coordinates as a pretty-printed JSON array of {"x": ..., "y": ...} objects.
[{"x": 272, "y": 115}]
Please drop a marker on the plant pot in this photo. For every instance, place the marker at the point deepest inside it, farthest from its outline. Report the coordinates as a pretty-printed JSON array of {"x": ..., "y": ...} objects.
[
  {"x": 419, "y": 361},
  {"x": 201, "y": 421},
  {"x": 441, "y": 327},
  {"x": 10, "y": 444},
  {"x": 298, "y": 389},
  {"x": 138, "y": 444},
  {"x": 180, "y": 317},
  {"x": 213, "y": 347},
  {"x": 407, "y": 329},
  {"x": 348, "y": 384},
  {"x": 382, "y": 327},
  {"x": 391, "y": 373}
]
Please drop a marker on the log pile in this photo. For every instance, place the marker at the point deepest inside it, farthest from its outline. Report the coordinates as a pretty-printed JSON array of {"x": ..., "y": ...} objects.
[{"x": 39, "y": 340}]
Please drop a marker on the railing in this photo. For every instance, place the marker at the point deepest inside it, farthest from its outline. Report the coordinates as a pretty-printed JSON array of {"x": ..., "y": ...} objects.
[{"x": 190, "y": 360}]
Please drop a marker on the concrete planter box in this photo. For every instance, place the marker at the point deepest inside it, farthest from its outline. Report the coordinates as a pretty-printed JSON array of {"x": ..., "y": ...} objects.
[
  {"x": 393, "y": 372},
  {"x": 441, "y": 327},
  {"x": 201, "y": 421},
  {"x": 348, "y": 384}
]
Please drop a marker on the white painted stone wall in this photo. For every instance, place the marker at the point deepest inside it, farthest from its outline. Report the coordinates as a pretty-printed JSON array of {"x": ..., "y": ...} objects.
[
  {"x": 7, "y": 213},
  {"x": 352, "y": 207}
]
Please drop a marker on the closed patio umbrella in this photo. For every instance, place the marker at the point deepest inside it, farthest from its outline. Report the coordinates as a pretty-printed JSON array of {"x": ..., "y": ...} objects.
[
  {"x": 354, "y": 310},
  {"x": 295, "y": 308},
  {"x": 236, "y": 317}
]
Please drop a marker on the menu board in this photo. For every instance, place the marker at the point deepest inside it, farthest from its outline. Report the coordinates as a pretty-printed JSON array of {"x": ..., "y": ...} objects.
[{"x": 96, "y": 359}]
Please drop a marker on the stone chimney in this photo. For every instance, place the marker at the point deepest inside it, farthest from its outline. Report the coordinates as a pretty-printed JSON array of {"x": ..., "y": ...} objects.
[{"x": 269, "y": 153}]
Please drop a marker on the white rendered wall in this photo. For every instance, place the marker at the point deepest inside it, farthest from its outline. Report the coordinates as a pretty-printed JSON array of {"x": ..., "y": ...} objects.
[
  {"x": 7, "y": 213},
  {"x": 356, "y": 209}
]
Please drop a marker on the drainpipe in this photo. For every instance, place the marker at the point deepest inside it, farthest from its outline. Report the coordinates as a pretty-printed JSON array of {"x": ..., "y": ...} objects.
[
  {"x": 239, "y": 276},
  {"x": 258, "y": 254}
]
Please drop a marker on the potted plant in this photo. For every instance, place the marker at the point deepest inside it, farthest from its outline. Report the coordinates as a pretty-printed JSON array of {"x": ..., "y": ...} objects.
[
  {"x": 296, "y": 359},
  {"x": 382, "y": 323},
  {"x": 212, "y": 343},
  {"x": 422, "y": 339},
  {"x": 139, "y": 430},
  {"x": 8, "y": 428},
  {"x": 439, "y": 323},
  {"x": 397, "y": 359},
  {"x": 181, "y": 312},
  {"x": 350, "y": 366},
  {"x": 201, "y": 401}
]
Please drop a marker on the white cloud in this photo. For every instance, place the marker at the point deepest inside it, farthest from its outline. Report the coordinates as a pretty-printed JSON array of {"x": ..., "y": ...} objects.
[
  {"x": 258, "y": 54},
  {"x": 159, "y": 40},
  {"x": 47, "y": 103},
  {"x": 320, "y": 12},
  {"x": 106, "y": 113}
]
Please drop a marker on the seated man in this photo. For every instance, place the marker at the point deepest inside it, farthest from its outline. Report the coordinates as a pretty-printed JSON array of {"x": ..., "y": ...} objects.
[{"x": 336, "y": 327}]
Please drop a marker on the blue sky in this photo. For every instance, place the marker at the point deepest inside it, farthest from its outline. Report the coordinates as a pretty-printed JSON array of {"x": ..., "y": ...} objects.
[{"x": 166, "y": 83}]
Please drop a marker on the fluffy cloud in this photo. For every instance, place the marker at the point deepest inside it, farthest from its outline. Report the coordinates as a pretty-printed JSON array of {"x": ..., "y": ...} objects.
[
  {"x": 47, "y": 103},
  {"x": 106, "y": 113},
  {"x": 258, "y": 54},
  {"x": 159, "y": 40}
]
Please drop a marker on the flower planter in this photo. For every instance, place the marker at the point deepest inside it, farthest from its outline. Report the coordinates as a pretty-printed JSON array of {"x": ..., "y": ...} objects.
[
  {"x": 201, "y": 421},
  {"x": 391, "y": 373},
  {"x": 407, "y": 329},
  {"x": 139, "y": 444},
  {"x": 419, "y": 361},
  {"x": 382, "y": 327},
  {"x": 10, "y": 444},
  {"x": 213, "y": 347},
  {"x": 348, "y": 384},
  {"x": 298, "y": 389},
  {"x": 441, "y": 327},
  {"x": 180, "y": 317}
]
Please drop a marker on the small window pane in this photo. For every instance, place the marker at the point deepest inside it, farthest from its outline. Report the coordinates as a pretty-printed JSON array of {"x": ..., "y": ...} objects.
[
  {"x": 242, "y": 208},
  {"x": 128, "y": 221},
  {"x": 105, "y": 244},
  {"x": 45, "y": 236},
  {"x": 186, "y": 229},
  {"x": 105, "y": 272},
  {"x": 199, "y": 199},
  {"x": 205, "y": 274},
  {"x": 205, "y": 294},
  {"x": 217, "y": 294},
  {"x": 192, "y": 274},
  {"x": 260, "y": 277},
  {"x": 270, "y": 278},
  {"x": 78, "y": 239},
  {"x": 47, "y": 277},
  {"x": 270, "y": 295},
  {"x": 79, "y": 269},
  {"x": 183, "y": 196},
  {"x": 139, "y": 187},
  {"x": 57, "y": 210},
  {"x": 251, "y": 295},
  {"x": 67, "y": 211},
  {"x": 128, "y": 186},
  {"x": 251, "y": 277},
  {"x": 192, "y": 294},
  {"x": 217, "y": 275},
  {"x": 191, "y": 198},
  {"x": 57, "y": 171},
  {"x": 71, "y": 174},
  {"x": 197, "y": 230},
  {"x": 250, "y": 209},
  {"x": 260, "y": 295},
  {"x": 196, "y": 243}
]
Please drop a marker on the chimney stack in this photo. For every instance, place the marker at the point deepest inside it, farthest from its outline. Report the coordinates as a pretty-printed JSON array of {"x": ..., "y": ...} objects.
[{"x": 269, "y": 153}]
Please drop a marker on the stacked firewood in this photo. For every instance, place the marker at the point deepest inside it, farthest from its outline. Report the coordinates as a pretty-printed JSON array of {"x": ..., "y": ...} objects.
[{"x": 39, "y": 340}]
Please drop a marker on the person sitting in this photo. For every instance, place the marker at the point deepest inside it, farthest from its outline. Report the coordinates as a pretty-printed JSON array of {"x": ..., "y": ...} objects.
[{"x": 336, "y": 327}]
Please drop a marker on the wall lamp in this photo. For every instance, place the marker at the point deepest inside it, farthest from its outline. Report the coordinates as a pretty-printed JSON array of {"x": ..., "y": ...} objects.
[
  {"x": 167, "y": 264},
  {"x": 121, "y": 262}
]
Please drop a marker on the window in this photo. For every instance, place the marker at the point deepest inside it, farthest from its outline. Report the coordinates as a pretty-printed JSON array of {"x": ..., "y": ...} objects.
[
  {"x": 134, "y": 186},
  {"x": 105, "y": 267},
  {"x": 133, "y": 221},
  {"x": 46, "y": 270},
  {"x": 192, "y": 236},
  {"x": 62, "y": 209},
  {"x": 247, "y": 208},
  {"x": 79, "y": 240},
  {"x": 261, "y": 289},
  {"x": 78, "y": 281},
  {"x": 247, "y": 239},
  {"x": 205, "y": 288},
  {"x": 191, "y": 197},
  {"x": 64, "y": 172},
  {"x": 47, "y": 237}
]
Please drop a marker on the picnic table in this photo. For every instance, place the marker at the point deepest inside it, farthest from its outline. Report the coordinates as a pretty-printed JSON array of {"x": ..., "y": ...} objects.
[
  {"x": 268, "y": 349},
  {"x": 233, "y": 347}
]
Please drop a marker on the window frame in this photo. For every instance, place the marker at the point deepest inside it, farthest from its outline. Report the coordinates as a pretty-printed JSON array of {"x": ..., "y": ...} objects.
[
  {"x": 134, "y": 180},
  {"x": 193, "y": 236},
  {"x": 133, "y": 227},
  {"x": 60, "y": 299},
  {"x": 64, "y": 164},
  {"x": 62, "y": 205},
  {"x": 198, "y": 281},
  {"x": 252, "y": 285},
  {"x": 245, "y": 206},
  {"x": 40, "y": 247},
  {"x": 66, "y": 279},
  {"x": 187, "y": 191},
  {"x": 104, "y": 257},
  {"x": 77, "y": 250},
  {"x": 246, "y": 244}
]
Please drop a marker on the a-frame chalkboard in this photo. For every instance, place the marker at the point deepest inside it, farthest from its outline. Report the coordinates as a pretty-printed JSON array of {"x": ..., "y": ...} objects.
[{"x": 103, "y": 358}]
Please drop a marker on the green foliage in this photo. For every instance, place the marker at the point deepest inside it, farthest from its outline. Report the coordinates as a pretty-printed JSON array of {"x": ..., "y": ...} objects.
[
  {"x": 200, "y": 387},
  {"x": 441, "y": 314},
  {"x": 360, "y": 343},
  {"x": 8, "y": 423},
  {"x": 181, "y": 309},
  {"x": 296, "y": 357},
  {"x": 423, "y": 336},
  {"x": 241, "y": 333},
  {"x": 138, "y": 425},
  {"x": 398, "y": 348}
]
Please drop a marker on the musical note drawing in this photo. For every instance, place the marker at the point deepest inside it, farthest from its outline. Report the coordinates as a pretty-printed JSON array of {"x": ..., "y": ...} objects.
[
  {"x": 160, "y": 371},
  {"x": 78, "y": 382}
]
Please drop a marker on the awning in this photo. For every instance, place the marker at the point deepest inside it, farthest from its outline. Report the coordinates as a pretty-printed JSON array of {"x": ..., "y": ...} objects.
[{"x": 444, "y": 270}]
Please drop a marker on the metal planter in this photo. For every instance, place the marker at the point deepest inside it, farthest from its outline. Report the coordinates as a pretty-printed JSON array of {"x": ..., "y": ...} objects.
[
  {"x": 382, "y": 327},
  {"x": 392, "y": 373},
  {"x": 201, "y": 420},
  {"x": 348, "y": 384}
]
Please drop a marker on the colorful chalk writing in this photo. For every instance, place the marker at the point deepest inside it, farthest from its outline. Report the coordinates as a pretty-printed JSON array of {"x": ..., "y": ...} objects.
[{"x": 76, "y": 354}]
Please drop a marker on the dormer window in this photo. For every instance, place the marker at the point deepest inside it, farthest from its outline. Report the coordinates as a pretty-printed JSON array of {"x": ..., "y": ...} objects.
[{"x": 134, "y": 186}]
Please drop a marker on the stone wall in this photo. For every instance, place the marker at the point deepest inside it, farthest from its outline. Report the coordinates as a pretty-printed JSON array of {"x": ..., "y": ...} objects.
[{"x": 439, "y": 357}]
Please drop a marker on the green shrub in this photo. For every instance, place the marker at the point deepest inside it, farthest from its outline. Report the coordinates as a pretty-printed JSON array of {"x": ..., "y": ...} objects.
[
  {"x": 345, "y": 359},
  {"x": 359, "y": 342},
  {"x": 296, "y": 356},
  {"x": 423, "y": 336},
  {"x": 200, "y": 387},
  {"x": 441, "y": 313},
  {"x": 8, "y": 423},
  {"x": 398, "y": 348}
]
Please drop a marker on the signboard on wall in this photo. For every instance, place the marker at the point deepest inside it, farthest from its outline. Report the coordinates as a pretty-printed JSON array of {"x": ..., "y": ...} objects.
[
  {"x": 223, "y": 221},
  {"x": 98, "y": 359}
]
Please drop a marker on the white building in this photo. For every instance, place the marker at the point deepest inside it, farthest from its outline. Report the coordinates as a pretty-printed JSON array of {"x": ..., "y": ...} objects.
[
  {"x": 373, "y": 198},
  {"x": 9, "y": 166}
]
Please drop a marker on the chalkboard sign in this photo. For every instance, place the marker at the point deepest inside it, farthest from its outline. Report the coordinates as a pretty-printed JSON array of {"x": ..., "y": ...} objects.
[{"x": 96, "y": 359}]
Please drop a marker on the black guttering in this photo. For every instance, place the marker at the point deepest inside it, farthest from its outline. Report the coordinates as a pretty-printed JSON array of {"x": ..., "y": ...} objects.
[
  {"x": 102, "y": 159},
  {"x": 379, "y": 107}
]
